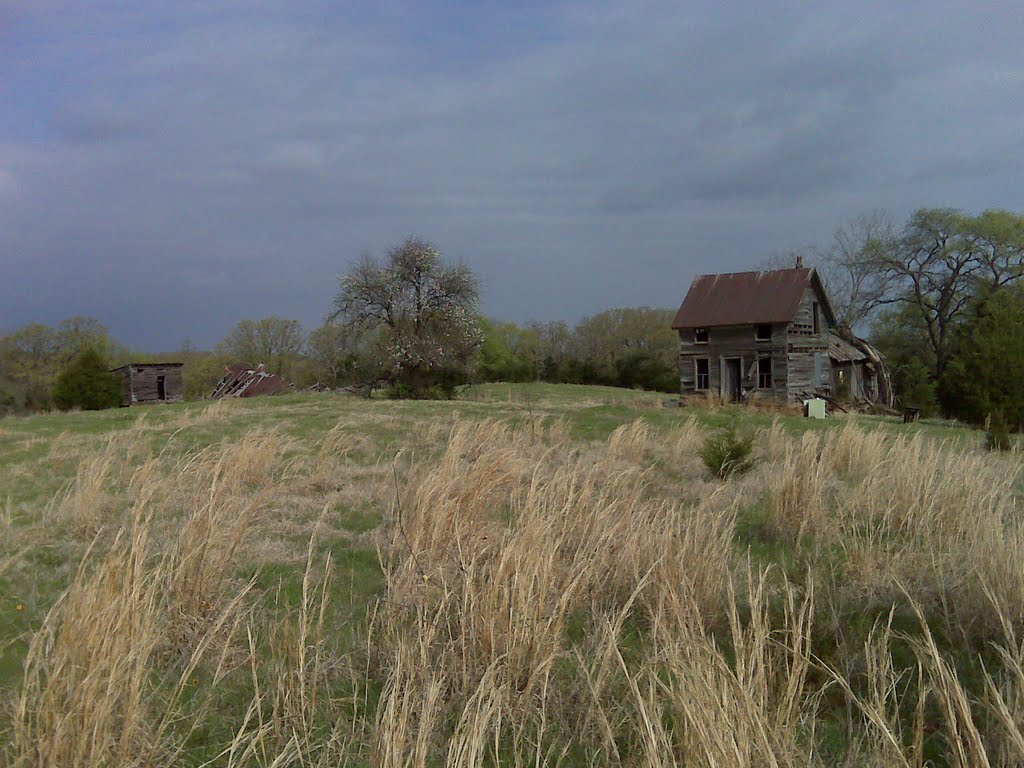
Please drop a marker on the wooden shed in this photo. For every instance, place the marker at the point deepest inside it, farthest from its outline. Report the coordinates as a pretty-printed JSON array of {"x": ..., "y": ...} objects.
[{"x": 151, "y": 383}]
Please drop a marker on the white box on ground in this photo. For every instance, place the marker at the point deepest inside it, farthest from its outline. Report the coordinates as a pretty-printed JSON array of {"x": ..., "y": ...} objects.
[{"x": 814, "y": 408}]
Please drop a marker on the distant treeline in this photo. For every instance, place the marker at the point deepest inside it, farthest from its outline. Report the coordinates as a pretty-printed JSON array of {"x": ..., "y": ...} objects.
[{"x": 630, "y": 347}]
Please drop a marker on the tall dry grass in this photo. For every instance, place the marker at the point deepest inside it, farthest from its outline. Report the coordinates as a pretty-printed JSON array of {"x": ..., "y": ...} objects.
[
  {"x": 545, "y": 601},
  {"x": 504, "y": 548},
  {"x": 507, "y": 543},
  {"x": 127, "y": 664},
  {"x": 910, "y": 513},
  {"x": 96, "y": 690},
  {"x": 90, "y": 501}
]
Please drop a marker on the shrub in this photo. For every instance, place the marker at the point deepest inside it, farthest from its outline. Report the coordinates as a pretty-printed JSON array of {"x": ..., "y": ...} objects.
[
  {"x": 728, "y": 452},
  {"x": 998, "y": 436},
  {"x": 401, "y": 391},
  {"x": 86, "y": 383},
  {"x": 646, "y": 371},
  {"x": 915, "y": 387}
]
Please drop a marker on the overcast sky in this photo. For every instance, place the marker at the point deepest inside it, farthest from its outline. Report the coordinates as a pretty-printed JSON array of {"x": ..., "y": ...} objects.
[{"x": 173, "y": 168}]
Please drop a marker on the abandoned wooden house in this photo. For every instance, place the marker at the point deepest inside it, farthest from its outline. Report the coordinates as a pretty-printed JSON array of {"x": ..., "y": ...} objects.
[
  {"x": 149, "y": 383},
  {"x": 771, "y": 334}
]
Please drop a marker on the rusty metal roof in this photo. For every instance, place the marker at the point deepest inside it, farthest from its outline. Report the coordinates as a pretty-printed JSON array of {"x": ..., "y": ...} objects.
[
  {"x": 743, "y": 298},
  {"x": 147, "y": 365}
]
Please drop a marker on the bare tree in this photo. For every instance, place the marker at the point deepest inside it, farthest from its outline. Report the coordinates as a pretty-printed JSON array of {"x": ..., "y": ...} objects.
[
  {"x": 851, "y": 267},
  {"x": 427, "y": 307},
  {"x": 348, "y": 356},
  {"x": 274, "y": 341}
]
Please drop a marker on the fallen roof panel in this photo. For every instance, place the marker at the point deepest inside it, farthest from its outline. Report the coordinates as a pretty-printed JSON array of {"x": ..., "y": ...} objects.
[{"x": 241, "y": 380}]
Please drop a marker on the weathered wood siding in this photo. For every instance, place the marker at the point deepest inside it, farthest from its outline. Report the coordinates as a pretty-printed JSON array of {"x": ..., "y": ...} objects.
[
  {"x": 140, "y": 385},
  {"x": 807, "y": 359},
  {"x": 725, "y": 343},
  {"x": 126, "y": 385}
]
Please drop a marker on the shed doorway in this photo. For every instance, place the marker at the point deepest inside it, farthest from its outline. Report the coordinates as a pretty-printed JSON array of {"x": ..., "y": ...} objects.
[
  {"x": 733, "y": 377},
  {"x": 161, "y": 387}
]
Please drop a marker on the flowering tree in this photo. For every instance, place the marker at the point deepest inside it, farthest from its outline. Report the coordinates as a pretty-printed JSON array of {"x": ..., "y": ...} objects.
[{"x": 427, "y": 310}]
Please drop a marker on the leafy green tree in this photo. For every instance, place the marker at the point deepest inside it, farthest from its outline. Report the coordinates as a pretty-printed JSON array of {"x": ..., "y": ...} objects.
[
  {"x": 944, "y": 262},
  {"x": 998, "y": 436},
  {"x": 201, "y": 371},
  {"x": 33, "y": 355},
  {"x": 986, "y": 369},
  {"x": 78, "y": 333},
  {"x": 898, "y": 335},
  {"x": 646, "y": 370},
  {"x": 625, "y": 346},
  {"x": 31, "y": 361},
  {"x": 86, "y": 383},
  {"x": 506, "y": 353},
  {"x": 10, "y": 393}
]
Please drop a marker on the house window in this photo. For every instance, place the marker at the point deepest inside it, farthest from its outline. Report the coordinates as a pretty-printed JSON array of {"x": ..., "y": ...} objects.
[
  {"x": 814, "y": 316},
  {"x": 764, "y": 373},
  {"x": 763, "y": 332},
  {"x": 702, "y": 373},
  {"x": 700, "y": 335}
]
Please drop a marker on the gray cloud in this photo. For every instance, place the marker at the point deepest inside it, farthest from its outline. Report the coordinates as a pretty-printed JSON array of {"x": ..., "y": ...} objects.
[{"x": 184, "y": 169}]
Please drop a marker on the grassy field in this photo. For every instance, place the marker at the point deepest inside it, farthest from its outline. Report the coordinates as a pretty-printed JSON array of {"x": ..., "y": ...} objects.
[{"x": 534, "y": 574}]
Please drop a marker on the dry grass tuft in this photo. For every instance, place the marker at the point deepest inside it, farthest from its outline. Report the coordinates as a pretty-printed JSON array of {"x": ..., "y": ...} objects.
[
  {"x": 94, "y": 691},
  {"x": 89, "y": 503},
  {"x": 498, "y": 551},
  {"x": 797, "y": 503},
  {"x": 631, "y": 441}
]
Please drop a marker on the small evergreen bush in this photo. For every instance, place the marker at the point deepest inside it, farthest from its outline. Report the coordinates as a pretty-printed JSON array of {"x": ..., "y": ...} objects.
[
  {"x": 728, "y": 452},
  {"x": 998, "y": 436},
  {"x": 86, "y": 383}
]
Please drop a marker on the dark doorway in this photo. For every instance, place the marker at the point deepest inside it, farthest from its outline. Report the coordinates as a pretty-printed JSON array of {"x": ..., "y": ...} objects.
[
  {"x": 732, "y": 378},
  {"x": 161, "y": 387}
]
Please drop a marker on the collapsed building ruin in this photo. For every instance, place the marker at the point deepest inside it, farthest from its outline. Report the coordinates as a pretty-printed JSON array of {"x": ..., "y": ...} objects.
[{"x": 243, "y": 380}]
